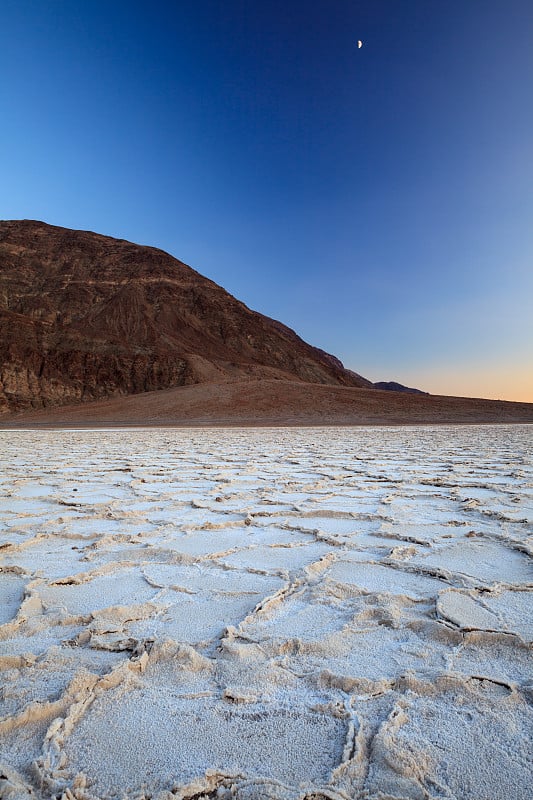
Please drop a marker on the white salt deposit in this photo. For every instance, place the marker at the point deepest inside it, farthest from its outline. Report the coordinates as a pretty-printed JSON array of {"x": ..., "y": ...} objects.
[{"x": 266, "y": 614}]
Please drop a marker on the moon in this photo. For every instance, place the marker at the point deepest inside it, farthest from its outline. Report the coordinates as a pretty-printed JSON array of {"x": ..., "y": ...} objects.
[{"x": 359, "y": 44}]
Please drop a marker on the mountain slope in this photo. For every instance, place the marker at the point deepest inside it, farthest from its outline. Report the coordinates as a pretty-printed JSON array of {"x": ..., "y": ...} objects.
[{"x": 85, "y": 317}]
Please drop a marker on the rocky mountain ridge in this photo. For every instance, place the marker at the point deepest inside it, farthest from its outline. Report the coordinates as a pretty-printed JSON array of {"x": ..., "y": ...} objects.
[{"x": 85, "y": 317}]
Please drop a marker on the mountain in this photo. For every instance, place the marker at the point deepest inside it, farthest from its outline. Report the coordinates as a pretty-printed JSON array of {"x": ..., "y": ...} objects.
[
  {"x": 392, "y": 386},
  {"x": 85, "y": 317}
]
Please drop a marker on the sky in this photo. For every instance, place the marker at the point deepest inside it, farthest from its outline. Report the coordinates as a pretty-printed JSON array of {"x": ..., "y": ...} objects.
[{"x": 378, "y": 200}]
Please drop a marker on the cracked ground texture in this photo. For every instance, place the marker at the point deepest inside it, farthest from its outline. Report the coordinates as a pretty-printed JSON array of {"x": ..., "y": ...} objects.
[{"x": 285, "y": 614}]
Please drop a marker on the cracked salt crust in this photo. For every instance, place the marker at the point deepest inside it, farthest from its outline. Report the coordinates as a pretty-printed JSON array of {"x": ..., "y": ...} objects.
[{"x": 283, "y": 614}]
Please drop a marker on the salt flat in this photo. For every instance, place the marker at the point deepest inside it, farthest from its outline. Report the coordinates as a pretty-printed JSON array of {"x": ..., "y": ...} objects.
[{"x": 266, "y": 613}]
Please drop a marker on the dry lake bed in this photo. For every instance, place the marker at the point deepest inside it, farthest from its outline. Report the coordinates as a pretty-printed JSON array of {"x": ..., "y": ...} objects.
[{"x": 323, "y": 613}]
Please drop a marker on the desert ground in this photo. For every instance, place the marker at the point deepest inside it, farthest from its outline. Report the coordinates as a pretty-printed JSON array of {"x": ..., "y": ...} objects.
[
  {"x": 273, "y": 613},
  {"x": 261, "y": 402}
]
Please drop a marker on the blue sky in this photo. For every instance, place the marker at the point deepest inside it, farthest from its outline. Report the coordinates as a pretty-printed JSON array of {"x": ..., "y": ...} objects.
[{"x": 377, "y": 200}]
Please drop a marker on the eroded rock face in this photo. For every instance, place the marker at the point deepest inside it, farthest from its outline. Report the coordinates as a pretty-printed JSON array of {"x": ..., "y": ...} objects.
[{"x": 84, "y": 316}]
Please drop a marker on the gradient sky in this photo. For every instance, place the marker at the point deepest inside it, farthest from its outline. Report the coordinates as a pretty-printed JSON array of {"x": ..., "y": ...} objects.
[{"x": 377, "y": 200}]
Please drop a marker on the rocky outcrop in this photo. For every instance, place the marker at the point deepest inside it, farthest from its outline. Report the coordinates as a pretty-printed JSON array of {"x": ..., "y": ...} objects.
[{"x": 85, "y": 317}]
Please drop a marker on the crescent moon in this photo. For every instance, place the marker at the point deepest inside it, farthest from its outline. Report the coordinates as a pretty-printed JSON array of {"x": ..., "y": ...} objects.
[{"x": 359, "y": 44}]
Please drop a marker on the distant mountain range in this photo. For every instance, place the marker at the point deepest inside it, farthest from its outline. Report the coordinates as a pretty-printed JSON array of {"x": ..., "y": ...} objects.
[{"x": 392, "y": 386}]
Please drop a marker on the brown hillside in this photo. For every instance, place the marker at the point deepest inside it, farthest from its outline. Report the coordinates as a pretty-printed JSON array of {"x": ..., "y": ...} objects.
[{"x": 84, "y": 317}]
